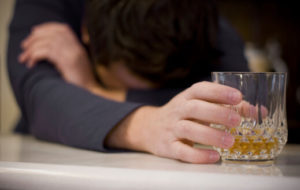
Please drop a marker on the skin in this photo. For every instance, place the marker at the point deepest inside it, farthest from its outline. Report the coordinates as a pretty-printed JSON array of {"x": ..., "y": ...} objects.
[
  {"x": 58, "y": 44},
  {"x": 167, "y": 131}
]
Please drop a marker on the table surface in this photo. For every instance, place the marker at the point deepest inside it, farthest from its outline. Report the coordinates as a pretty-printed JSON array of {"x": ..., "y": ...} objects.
[{"x": 28, "y": 163}]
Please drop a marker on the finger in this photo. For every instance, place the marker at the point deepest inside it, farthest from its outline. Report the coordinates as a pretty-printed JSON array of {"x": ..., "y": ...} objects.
[
  {"x": 211, "y": 113},
  {"x": 49, "y": 30},
  {"x": 39, "y": 55},
  {"x": 43, "y": 30},
  {"x": 26, "y": 55},
  {"x": 40, "y": 32},
  {"x": 33, "y": 38},
  {"x": 250, "y": 111},
  {"x": 203, "y": 134},
  {"x": 190, "y": 154},
  {"x": 32, "y": 54},
  {"x": 214, "y": 92},
  {"x": 23, "y": 57}
]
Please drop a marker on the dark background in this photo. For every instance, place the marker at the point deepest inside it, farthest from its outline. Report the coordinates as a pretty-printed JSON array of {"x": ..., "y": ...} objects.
[{"x": 258, "y": 21}]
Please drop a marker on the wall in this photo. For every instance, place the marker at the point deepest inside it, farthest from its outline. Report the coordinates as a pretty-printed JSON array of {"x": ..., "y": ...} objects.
[
  {"x": 262, "y": 21},
  {"x": 8, "y": 110}
]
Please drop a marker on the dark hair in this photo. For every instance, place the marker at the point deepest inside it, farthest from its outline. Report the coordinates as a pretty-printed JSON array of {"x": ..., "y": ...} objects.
[{"x": 159, "y": 40}]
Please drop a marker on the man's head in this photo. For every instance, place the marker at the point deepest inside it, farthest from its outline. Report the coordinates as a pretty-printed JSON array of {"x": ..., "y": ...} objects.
[{"x": 159, "y": 40}]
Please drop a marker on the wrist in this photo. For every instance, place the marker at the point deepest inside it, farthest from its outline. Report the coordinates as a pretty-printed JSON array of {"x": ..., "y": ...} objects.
[{"x": 132, "y": 132}]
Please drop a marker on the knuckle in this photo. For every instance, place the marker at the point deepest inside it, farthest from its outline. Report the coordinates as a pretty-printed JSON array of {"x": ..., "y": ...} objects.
[
  {"x": 197, "y": 88},
  {"x": 179, "y": 153},
  {"x": 204, "y": 83},
  {"x": 224, "y": 112},
  {"x": 65, "y": 27},
  {"x": 194, "y": 86},
  {"x": 182, "y": 128},
  {"x": 197, "y": 85},
  {"x": 201, "y": 84},
  {"x": 191, "y": 107},
  {"x": 192, "y": 89}
]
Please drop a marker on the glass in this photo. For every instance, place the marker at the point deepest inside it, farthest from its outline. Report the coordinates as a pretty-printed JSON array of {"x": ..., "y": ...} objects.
[{"x": 262, "y": 132}]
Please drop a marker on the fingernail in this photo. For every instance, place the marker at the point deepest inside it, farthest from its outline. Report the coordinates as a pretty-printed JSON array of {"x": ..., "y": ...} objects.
[
  {"x": 235, "y": 96},
  {"x": 214, "y": 156},
  {"x": 227, "y": 140}
]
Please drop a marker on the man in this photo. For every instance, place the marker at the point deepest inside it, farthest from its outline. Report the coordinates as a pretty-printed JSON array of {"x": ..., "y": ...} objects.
[{"x": 134, "y": 105}]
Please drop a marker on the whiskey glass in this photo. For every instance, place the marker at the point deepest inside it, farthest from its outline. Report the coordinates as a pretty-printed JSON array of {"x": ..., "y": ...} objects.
[{"x": 262, "y": 132}]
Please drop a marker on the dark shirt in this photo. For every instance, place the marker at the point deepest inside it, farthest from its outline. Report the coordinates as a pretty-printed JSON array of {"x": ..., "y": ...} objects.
[{"x": 56, "y": 111}]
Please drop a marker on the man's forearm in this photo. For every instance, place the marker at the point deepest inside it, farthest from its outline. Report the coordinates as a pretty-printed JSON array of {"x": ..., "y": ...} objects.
[{"x": 132, "y": 132}]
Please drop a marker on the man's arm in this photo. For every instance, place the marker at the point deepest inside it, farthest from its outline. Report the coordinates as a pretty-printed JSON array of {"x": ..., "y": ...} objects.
[{"x": 53, "y": 109}]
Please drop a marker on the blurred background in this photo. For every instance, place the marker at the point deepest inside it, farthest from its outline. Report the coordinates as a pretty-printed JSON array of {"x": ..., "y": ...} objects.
[
  {"x": 271, "y": 32},
  {"x": 8, "y": 110},
  {"x": 269, "y": 28}
]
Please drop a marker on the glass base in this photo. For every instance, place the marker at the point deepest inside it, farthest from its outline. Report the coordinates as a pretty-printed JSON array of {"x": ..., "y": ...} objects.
[
  {"x": 251, "y": 167},
  {"x": 249, "y": 162}
]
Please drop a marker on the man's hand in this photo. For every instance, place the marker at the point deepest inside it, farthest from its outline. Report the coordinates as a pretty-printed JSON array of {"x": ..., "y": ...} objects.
[
  {"x": 171, "y": 130},
  {"x": 57, "y": 43}
]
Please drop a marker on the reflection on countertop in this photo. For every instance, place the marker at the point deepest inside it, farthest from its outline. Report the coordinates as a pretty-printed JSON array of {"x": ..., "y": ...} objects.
[
  {"x": 27, "y": 156},
  {"x": 18, "y": 148},
  {"x": 252, "y": 169}
]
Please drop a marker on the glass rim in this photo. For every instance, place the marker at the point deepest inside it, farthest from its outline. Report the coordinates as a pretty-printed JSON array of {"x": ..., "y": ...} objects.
[{"x": 237, "y": 72}]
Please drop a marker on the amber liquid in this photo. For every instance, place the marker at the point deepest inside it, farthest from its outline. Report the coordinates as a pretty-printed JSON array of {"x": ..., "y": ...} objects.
[
  {"x": 254, "y": 146},
  {"x": 262, "y": 143}
]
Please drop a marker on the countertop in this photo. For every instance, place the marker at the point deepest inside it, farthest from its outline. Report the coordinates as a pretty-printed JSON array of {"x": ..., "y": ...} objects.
[{"x": 28, "y": 163}]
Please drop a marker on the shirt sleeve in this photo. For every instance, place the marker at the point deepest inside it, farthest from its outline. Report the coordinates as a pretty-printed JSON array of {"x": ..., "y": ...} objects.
[{"x": 53, "y": 109}]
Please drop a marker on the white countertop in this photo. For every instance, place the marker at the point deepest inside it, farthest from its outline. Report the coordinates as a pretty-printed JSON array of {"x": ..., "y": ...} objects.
[{"x": 28, "y": 163}]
